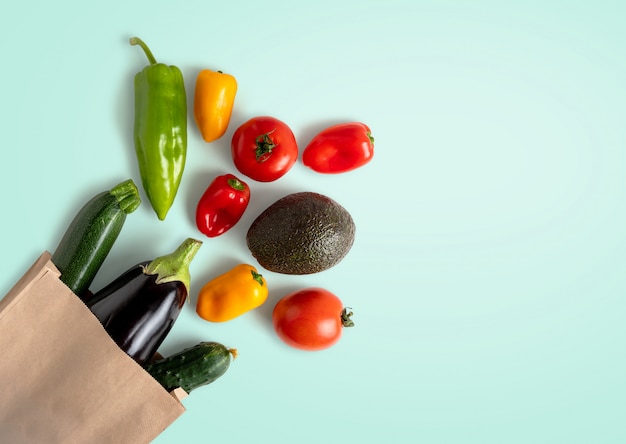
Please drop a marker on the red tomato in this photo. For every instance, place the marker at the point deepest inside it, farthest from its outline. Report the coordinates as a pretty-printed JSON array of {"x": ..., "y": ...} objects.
[
  {"x": 340, "y": 148},
  {"x": 264, "y": 148},
  {"x": 310, "y": 319}
]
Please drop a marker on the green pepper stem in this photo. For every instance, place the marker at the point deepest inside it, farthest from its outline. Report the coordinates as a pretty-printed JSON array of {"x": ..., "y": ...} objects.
[
  {"x": 257, "y": 277},
  {"x": 138, "y": 41},
  {"x": 236, "y": 184},
  {"x": 175, "y": 266},
  {"x": 369, "y": 135},
  {"x": 127, "y": 196}
]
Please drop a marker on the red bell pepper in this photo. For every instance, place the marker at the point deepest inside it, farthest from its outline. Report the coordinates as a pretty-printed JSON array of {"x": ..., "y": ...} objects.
[
  {"x": 222, "y": 205},
  {"x": 340, "y": 148}
]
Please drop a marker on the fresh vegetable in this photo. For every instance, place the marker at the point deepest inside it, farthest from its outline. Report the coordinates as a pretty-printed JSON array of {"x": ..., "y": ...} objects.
[
  {"x": 310, "y": 319},
  {"x": 160, "y": 130},
  {"x": 91, "y": 234},
  {"x": 213, "y": 103},
  {"x": 264, "y": 148},
  {"x": 231, "y": 294},
  {"x": 339, "y": 148},
  {"x": 301, "y": 233},
  {"x": 222, "y": 205},
  {"x": 193, "y": 367},
  {"x": 139, "y": 308}
]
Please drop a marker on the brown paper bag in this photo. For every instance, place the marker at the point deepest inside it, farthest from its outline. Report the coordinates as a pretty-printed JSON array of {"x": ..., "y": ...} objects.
[{"x": 63, "y": 379}]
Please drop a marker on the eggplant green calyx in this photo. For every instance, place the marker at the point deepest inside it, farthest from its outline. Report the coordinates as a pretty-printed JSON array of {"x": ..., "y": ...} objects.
[
  {"x": 127, "y": 196},
  {"x": 175, "y": 266}
]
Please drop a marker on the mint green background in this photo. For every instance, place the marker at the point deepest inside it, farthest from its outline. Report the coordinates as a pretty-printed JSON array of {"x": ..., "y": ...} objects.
[{"x": 487, "y": 277}]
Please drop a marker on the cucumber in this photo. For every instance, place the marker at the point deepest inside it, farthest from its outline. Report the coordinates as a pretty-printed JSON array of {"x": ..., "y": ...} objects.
[
  {"x": 91, "y": 234},
  {"x": 192, "y": 367}
]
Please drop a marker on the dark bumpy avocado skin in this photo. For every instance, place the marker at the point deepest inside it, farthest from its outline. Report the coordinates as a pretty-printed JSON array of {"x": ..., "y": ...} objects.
[{"x": 301, "y": 233}]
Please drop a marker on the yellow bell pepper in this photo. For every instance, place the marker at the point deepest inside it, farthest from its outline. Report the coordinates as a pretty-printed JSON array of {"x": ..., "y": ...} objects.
[
  {"x": 214, "y": 98},
  {"x": 232, "y": 294}
]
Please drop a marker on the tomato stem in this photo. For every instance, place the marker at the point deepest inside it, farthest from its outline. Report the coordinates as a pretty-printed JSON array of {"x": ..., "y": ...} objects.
[
  {"x": 346, "y": 316},
  {"x": 264, "y": 147}
]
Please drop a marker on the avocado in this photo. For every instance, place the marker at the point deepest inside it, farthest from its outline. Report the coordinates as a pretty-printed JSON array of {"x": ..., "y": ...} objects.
[{"x": 301, "y": 233}]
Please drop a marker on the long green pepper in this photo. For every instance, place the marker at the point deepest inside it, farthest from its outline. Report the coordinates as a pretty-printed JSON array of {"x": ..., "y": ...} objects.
[{"x": 160, "y": 130}]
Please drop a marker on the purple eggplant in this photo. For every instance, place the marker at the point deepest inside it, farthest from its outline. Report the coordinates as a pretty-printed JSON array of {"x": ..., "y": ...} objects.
[{"x": 139, "y": 308}]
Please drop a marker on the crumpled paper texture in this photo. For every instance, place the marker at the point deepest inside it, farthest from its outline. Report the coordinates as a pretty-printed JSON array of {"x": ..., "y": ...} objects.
[{"x": 63, "y": 379}]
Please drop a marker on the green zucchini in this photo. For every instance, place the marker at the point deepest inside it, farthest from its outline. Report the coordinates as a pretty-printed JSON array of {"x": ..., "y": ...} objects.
[
  {"x": 192, "y": 367},
  {"x": 91, "y": 234}
]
